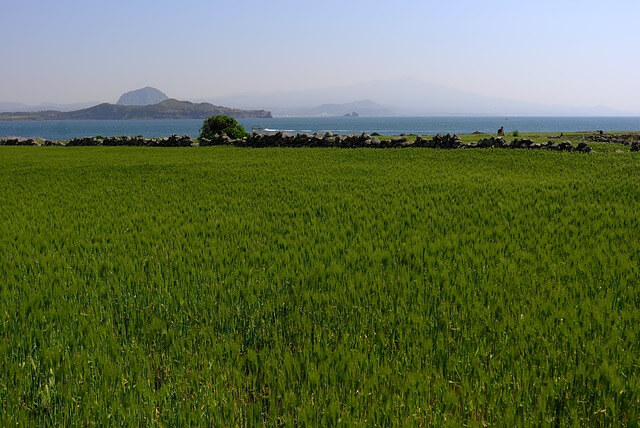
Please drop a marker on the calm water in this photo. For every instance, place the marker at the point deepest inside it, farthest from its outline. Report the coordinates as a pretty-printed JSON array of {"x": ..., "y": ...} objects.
[{"x": 384, "y": 125}]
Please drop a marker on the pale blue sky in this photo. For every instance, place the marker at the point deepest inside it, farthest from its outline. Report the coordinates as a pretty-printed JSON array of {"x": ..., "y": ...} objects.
[{"x": 556, "y": 52}]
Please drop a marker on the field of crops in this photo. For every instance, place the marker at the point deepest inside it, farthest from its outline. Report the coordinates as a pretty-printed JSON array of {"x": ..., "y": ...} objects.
[{"x": 226, "y": 286}]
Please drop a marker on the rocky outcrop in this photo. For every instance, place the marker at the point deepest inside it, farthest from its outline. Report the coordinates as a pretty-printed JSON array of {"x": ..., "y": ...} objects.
[{"x": 142, "y": 97}]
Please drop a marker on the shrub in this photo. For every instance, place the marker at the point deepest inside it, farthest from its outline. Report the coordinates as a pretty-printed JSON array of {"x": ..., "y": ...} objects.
[
  {"x": 222, "y": 124},
  {"x": 515, "y": 133}
]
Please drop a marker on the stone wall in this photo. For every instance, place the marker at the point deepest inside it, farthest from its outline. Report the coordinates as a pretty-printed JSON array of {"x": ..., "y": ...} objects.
[
  {"x": 328, "y": 139},
  {"x": 17, "y": 142},
  {"x": 173, "y": 141},
  {"x": 365, "y": 140},
  {"x": 619, "y": 138}
]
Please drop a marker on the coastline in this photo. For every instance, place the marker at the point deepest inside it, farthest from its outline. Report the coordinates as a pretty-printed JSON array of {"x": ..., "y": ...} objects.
[{"x": 385, "y": 126}]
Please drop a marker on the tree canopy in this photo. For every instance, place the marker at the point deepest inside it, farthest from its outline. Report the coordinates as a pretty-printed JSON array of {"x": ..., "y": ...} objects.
[{"x": 222, "y": 124}]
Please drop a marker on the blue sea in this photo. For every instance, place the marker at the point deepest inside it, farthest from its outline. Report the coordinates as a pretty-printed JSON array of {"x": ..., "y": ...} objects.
[{"x": 65, "y": 129}]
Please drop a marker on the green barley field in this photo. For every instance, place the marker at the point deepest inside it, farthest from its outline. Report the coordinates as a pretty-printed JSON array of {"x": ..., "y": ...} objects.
[{"x": 240, "y": 287}]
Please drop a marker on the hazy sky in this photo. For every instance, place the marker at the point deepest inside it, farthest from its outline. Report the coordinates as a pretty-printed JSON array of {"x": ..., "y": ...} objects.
[{"x": 556, "y": 52}]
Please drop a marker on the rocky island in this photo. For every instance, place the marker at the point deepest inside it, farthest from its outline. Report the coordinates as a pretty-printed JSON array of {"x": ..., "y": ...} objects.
[
  {"x": 144, "y": 103},
  {"x": 167, "y": 109},
  {"x": 142, "y": 97}
]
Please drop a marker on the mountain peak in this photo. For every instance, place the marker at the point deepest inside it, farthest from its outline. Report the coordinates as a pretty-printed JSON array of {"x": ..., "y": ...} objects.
[{"x": 142, "y": 97}]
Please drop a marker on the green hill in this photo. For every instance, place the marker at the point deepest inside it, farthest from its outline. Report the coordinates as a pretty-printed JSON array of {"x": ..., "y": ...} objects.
[{"x": 167, "y": 109}]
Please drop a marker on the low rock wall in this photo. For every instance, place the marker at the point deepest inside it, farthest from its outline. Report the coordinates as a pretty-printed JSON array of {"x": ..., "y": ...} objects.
[
  {"x": 173, "y": 141},
  {"x": 328, "y": 139},
  {"x": 627, "y": 139},
  {"x": 364, "y": 140},
  {"x": 17, "y": 142}
]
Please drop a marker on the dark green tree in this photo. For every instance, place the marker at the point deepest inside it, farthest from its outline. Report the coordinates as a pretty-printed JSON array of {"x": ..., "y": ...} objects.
[{"x": 222, "y": 124}]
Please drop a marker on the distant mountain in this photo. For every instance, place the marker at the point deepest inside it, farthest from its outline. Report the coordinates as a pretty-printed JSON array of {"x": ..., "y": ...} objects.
[
  {"x": 363, "y": 108},
  {"x": 407, "y": 97},
  {"x": 9, "y": 106},
  {"x": 139, "y": 97},
  {"x": 142, "y": 97},
  {"x": 167, "y": 109}
]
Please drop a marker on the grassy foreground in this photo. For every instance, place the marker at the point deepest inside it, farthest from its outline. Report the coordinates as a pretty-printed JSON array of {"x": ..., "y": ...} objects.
[{"x": 231, "y": 286}]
